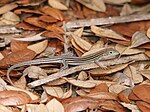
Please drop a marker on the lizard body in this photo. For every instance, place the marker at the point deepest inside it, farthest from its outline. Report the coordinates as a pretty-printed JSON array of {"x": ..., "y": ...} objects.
[{"x": 101, "y": 55}]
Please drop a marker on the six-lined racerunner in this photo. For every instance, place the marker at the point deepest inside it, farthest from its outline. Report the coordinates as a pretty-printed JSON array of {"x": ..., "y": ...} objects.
[{"x": 104, "y": 54}]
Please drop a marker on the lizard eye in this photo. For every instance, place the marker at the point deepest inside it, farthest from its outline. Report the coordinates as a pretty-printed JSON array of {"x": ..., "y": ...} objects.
[{"x": 110, "y": 52}]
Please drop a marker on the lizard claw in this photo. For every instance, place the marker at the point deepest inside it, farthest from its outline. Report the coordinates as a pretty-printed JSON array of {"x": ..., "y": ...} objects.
[{"x": 101, "y": 65}]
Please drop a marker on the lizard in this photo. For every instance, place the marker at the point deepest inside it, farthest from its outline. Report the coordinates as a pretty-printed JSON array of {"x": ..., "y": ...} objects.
[{"x": 104, "y": 54}]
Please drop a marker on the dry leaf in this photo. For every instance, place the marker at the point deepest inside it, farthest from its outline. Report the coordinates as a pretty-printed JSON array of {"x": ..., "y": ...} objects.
[
  {"x": 126, "y": 10},
  {"x": 82, "y": 75},
  {"x": 142, "y": 91},
  {"x": 123, "y": 95},
  {"x": 123, "y": 50},
  {"x": 138, "y": 39},
  {"x": 48, "y": 19},
  {"x": 14, "y": 98},
  {"x": 132, "y": 107},
  {"x": 54, "y": 106},
  {"x": 35, "y": 22},
  {"x": 117, "y": 2},
  {"x": 10, "y": 16},
  {"x": 148, "y": 32},
  {"x": 143, "y": 106},
  {"x": 117, "y": 88},
  {"x": 145, "y": 73},
  {"x": 106, "y": 33},
  {"x": 7, "y": 7},
  {"x": 17, "y": 45},
  {"x": 78, "y": 32},
  {"x": 52, "y": 12},
  {"x": 36, "y": 108},
  {"x": 16, "y": 57},
  {"x": 5, "y": 109},
  {"x": 97, "y": 5},
  {"x": 83, "y": 84},
  {"x": 100, "y": 88},
  {"x": 75, "y": 104},
  {"x": 133, "y": 73},
  {"x": 21, "y": 11},
  {"x": 38, "y": 47},
  {"x": 55, "y": 28},
  {"x": 67, "y": 94},
  {"x": 32, "y": 95},
  {"x": 111, "y": 69},
  {"x": 57, "y": 4},
  {"x": 54, "y": 91}
]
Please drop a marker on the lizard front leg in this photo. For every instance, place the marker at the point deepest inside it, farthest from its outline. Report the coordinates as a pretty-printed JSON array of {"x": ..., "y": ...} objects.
[
  {"x": 65, "y": 65},
  {"x": 101, "y": 65}
]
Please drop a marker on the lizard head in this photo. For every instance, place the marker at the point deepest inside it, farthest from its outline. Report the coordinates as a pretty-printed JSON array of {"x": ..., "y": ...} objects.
[{"x": 110, "y": 53}]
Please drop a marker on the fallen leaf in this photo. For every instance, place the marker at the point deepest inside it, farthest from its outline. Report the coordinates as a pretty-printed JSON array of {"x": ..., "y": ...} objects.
[
  {"x": 82, "y": 76},
  {"x": 106, "y": 33},
  {"x": 100, "y": 88},
  {"x": 147, "y": 53},
  {"x": 54, "y": 106},
  {"x": 145, "y": 73},
  {"x": 10, "y": 16},
  {"x": 132, "y": 107},
  {"x": 16, "y": 57},
  {"x": 110, "y": 70},
  {"x": 123, "y": 50},
  {"x": 52, "y": 12},
  {"x": 18, "y": 46},
  {"x": 54, "y": 91},
  {"x": 7, "y": 7},
  {"x": 75, "y": 104},
  {"x": 5, "y": 109},
  {"x": 32, "y": 95},
  {"x": 79, "y": 83},
  {"x": 142, "y": 91},
  {"x": 14, "y": 98},
  {"x": 55, "y": 28},
  {"x": 123, "y": 95},
  {"x": 143, "y": 106},
  {"x": 38, "y": 47},
  {"x": 48, "y": 19},
  {"x": 67, "y": 94},
  {"x": 57, "y": 4},
  {"x": 35, "y": 22},
  {"x": 138, "y": 39},
  {"x": 148, "y": 32},
  {"x": 133, "y": 73},
  {"x": 97, "y": 5},
  {"x": 36, "y": 108},
  {"x": 27, "y": 26},
  {"x": 21, "y": 11},
  {"x": 117, "y": 88},
  {"x": 126, "y": 10}
]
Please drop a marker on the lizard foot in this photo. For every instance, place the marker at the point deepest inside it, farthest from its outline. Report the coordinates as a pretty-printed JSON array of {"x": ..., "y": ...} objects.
[{"x": 101, "y": 65}]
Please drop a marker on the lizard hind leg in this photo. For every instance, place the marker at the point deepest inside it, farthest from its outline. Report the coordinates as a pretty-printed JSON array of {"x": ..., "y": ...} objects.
[
  {"x": 101, "y": 65},
  {"x": 65, "y": 65}
]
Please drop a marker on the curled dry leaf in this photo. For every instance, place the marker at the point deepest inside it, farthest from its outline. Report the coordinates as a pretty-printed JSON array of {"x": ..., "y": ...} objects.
[
  {"x": 57, "y": 4},
  {"x": 133, "y": 73},
  {"x": 139, "y": 38},
  {"x": 123, "y": 50},
  {"x": 16, "y": 57},
  {"x": 78, "y": 104},
  {"x": 32, "y": 95},
  {"x": 55, "y": 106},
  {"x": 106, "y": 33},
  {"x": 97, "y": 5},
  {"x": 142, "y": 91},
  {"x": 83, "y": 84},
  {"x": 143, "y": 106},
  {"x": 54, "y": 91},
  {"x": 111, "y": 69},
  {"x": 52, "y": 12},
  {"x": 38, "y": 47},
  {"x": 11, "y": 97},
  {"x": 7, "y": 7}
]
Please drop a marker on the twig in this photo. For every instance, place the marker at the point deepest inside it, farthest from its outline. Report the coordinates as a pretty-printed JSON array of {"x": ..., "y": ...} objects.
[
  {"x": 138, "y": 57},
  {"x": 107, "y": 21}
]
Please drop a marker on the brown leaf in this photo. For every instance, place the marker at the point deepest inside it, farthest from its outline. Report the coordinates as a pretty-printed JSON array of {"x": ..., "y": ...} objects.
[
  {"x": 78, "y": 104},
  {"x": 100, "y": 88},
  {"x": 55, "y": 28},
  {"x": 36, "y": 22},
  {"x": 123, "y": 95},
  {"x": 21, "y": 11},
  {"x": 11, "y": 97},
  {"x": 132, "y": 96},
  {"x": 27, "y": 26},
  {"x": 57, "y": 4},
  {"x": 144, "y": 107},
  {"x": 18, "y": 45},
  {"x": 142, "y": 91},
  {"x": 16, "y": 57},
  {"x": 7, "y": 7},
  {"x": 52, "y": 12},
  {"x": 138, "y": 39},
  {"x": 48, "y": 19}
]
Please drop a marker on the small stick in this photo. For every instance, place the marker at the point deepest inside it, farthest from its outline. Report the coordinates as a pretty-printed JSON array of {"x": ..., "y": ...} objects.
[
  {"x": 126, "y": 59},
  {"x": 107, "y": 21}
]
